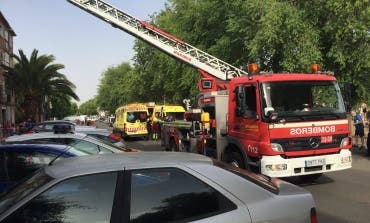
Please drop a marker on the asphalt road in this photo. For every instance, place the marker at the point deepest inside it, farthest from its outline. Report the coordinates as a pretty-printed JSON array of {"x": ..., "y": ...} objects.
[
  {"x": 344, "y": 196},
  {"x": 341, "y": 197}
]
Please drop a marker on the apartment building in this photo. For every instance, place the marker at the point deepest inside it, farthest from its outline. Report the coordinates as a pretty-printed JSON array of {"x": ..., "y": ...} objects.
[{"x": 7, "y": 97}]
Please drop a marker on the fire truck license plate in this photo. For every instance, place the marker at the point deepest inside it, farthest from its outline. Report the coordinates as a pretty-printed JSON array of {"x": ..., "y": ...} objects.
[{"x": 316, "y": 162}]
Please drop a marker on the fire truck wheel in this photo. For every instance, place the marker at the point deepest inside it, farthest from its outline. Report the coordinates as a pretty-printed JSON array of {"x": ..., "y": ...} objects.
[{"x": 235, "y": 159}]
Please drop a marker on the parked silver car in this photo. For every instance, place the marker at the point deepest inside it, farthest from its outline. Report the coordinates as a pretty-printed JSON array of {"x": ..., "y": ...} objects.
[
  {"x": 80, "y": 141},
  {"x": 102, "y": 134},
  {"x": 154, "y": 187}
]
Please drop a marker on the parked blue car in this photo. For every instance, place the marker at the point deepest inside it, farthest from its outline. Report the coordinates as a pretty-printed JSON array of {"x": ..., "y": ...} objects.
[{"x": 18, "y": 161}]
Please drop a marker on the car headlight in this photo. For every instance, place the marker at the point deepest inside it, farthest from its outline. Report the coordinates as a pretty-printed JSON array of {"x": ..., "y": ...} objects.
[{"x": 276, "y": 147}]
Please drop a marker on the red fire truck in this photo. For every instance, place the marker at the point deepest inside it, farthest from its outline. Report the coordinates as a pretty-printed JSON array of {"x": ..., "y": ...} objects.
[{"x": 281, "y": 125}]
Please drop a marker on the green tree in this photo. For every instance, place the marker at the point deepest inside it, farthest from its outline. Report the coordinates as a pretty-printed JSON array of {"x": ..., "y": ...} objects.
[
  {"x": 60, "y": 108},
  {"x": 36, "y": 80},
  {"x": 160, "y": 78},
  {"x": 279, "y": 36},
  {"x": 238, "y": 32},
  {"x": 282, "y": 35},
  {"x": 88, "y": 108},
  {"x": 115, "y": 87},
  {"x": 346, "y": 44}
]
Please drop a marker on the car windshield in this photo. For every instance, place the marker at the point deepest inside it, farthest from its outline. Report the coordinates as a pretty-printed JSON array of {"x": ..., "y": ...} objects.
[
  {"x": 76, "y": 152},
  {"x": 103, "y": 138},
  {"x": 112, "y": 148},
  {"x": 263, "y": 181},
  {"x": 303, "y": 100},
  {"x": 135, "y": 116},
  {"x": 18, "y": 193},
  {"x": 175, "y": 115}
]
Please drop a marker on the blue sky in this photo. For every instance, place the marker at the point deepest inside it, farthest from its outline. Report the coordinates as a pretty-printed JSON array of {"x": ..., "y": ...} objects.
[{"x": 86, "y": 45}]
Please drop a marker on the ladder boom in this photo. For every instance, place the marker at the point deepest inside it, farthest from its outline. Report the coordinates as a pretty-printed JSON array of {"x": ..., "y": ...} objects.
[{"x": 163, "y": 41}]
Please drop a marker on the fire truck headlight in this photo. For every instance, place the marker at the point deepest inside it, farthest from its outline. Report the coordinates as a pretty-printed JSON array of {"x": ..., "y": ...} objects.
[
  {"x": 345, "y": 142},
  {"x": 345, "y": 160},
  {"x": 277, "y": 147},
  {"x": 276, "y": 167}
]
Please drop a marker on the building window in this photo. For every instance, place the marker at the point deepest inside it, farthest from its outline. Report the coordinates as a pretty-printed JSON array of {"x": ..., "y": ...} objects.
[
  {"x": 6, "y": 35},
  {"x": 1, "y": 31},
  {"x": 6, "y": 59}
]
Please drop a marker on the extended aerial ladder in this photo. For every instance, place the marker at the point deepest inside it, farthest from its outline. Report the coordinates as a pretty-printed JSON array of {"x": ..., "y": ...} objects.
[{"x": 208, "y": 65}]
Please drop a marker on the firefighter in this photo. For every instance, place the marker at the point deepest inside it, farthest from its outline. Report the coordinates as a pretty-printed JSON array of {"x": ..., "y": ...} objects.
[
  {"x": 213, "y": 127},
  {"x": 149, "y": 127},
  {"x": 155, "y": 130}
]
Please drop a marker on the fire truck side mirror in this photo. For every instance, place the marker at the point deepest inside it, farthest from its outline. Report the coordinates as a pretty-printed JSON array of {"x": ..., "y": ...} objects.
[
  {"x": 270, "y": 112},
  {"x": 240, "y": 101},
  {"x": 346, "y": 93}
]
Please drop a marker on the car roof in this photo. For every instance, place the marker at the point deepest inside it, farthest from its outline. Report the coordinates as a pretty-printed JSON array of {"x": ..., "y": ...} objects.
[
  {"x": 43, "y": 135},
  {"x": 58, "y": 121},
  {"x": 33, "y": 146},
  {"x": 113, "y": 162},
  {"x": 93, "y": 130}
]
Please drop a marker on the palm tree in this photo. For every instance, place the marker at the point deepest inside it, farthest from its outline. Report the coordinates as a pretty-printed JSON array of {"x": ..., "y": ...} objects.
[{"x": 36, "y": 81}]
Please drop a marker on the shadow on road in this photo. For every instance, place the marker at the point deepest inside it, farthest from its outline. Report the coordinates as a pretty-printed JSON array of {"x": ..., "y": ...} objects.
[{"x": 302, "y": 182}]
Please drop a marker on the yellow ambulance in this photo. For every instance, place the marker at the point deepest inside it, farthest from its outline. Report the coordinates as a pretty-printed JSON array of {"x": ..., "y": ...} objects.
[
  {"x": 168, "y": 113},
  {"x": 131, "y": 120}
]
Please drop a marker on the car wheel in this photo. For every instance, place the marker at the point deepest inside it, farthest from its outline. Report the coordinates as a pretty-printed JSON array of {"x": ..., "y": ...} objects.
[
  {"x": 310, "y": 177},
  {"x": 235, "y": 159}
]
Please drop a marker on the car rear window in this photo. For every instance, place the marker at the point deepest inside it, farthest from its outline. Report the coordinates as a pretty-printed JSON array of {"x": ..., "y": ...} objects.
[{"x": 261, "y": 180}]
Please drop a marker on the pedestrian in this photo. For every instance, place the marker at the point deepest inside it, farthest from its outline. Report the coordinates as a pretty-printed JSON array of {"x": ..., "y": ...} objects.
[
  {"x": 7, "y": 129},
  {"x": 368, "y": 134},
  {"x": 359, "y": 130},
  {"x": 157, "y": 126},
  {"x": 363, "y": 112},
  {"x": 13, "y": 129},
  {"x": 28, "y": 125}
]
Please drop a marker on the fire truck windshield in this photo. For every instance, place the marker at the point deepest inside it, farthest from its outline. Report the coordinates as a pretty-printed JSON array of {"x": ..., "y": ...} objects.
[{"x": 302, "y": 100}]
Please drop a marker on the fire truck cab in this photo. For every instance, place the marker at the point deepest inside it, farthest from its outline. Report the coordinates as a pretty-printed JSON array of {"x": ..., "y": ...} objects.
[{"x": 280, "y": 124}]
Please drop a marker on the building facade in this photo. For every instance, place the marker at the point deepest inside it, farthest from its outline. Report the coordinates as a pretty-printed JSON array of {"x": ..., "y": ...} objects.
[{"x": 7, "y": 96}]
